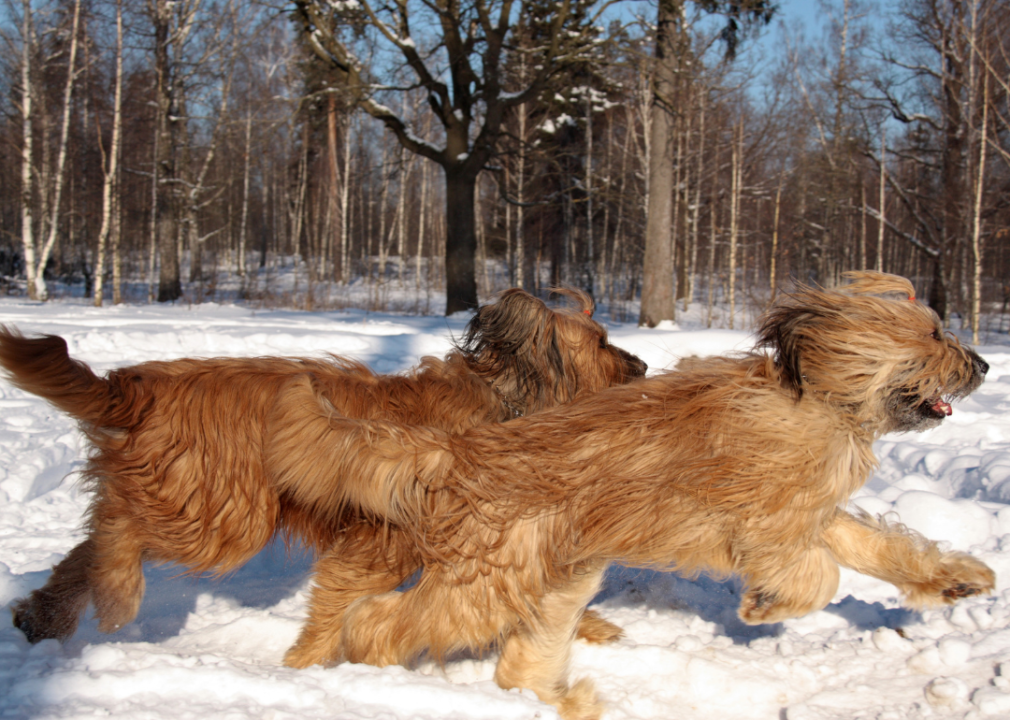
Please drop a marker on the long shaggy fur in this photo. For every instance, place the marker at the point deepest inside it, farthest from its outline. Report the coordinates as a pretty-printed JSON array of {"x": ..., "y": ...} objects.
[
  {"x": 728, "y": 465},
  {"x": 180, "y": 471}
]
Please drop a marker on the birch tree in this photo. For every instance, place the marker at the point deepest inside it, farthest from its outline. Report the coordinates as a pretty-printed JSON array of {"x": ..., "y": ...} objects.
[
  {"x": 110, "y": 184},
  {"x": 38, "y": 252}
]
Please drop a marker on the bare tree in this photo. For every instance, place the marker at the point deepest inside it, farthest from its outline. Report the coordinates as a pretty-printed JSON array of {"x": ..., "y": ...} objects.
[{"x": 470, "y": 101}]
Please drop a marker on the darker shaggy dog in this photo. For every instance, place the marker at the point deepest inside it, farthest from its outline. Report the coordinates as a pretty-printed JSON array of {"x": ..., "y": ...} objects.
[
  {"x": 178, "y": 464},
  {"x": 726, "y": 466}
]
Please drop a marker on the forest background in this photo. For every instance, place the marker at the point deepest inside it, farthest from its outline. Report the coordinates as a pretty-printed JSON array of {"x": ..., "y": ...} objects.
[{"x": 324, "y": 153}]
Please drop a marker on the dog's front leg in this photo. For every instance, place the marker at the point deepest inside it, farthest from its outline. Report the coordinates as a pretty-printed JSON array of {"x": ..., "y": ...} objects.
[
  {"x": 925, "y": 575},
  {"x": 536, "y": 655},
  {"x": 787, "y": 582}
]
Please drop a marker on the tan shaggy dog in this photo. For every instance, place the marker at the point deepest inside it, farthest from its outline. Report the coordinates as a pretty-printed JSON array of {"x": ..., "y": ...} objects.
[
  {"x": 729, "y": 465},
  {"x": 179, "y": 470}
]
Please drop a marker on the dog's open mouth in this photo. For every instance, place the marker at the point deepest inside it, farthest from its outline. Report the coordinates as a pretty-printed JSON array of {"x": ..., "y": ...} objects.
[
  {"x": 910, "y": 411},
  {"x": 937, "y": 407}
]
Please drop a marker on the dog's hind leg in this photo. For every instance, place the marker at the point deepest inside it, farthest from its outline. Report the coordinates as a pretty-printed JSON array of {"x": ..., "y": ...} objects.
[
  {"x": 365, "y": 560},
  {"x": 440, "y": 615},
  {"x": 116, "y": 573},
  {"x": 536, "y": 655},
  {"x": 106, "y": 569},
  {"x": 925, "y": 575},
  {"x": 53, "y": 611}
]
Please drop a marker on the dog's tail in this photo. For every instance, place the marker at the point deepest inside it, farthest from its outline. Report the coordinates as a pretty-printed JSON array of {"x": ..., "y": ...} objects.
[{"x": 43, "y": 367}]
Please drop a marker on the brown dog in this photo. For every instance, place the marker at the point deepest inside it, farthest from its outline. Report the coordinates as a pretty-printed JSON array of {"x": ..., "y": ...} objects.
[
  {"x": 726, "y": 466},
  {"x": 179, "y": 473}
]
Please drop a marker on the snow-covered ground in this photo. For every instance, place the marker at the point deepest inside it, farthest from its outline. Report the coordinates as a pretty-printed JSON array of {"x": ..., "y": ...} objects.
[{"x": 206, "y": 648}]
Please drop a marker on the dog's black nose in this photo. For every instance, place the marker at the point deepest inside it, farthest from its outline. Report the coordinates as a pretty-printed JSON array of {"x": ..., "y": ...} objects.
[{"x": 980, "y": 365}]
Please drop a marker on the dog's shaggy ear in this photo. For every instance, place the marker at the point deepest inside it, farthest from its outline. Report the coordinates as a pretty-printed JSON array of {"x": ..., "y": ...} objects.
[
  {"x": 787, "y": 329},
  {"x": 502, "y": 328},
  {"x": 513, "y": 340}
]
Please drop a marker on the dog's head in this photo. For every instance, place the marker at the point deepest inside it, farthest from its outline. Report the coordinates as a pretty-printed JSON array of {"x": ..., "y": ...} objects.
[
  {"x": 537, "y": 357},
  {"x": 871, "y": 349}
]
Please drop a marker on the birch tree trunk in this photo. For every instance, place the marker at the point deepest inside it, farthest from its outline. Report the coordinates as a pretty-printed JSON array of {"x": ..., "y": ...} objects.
[
  {"x": 713, "y": 235},
  {"x": 734, "y": 217},
  {"x": 345, "y": 205},
  {"x": 882, "y": 199},
  {"x": 111, "y": 179},
  {"x": 401, "y": 216},
  {"x": 422, "y": 221},
  {"x": 693, "y": 268},
  {"x": 976, "y": 236},
  {"x": 244, "y": 221},
  {"x": 27, "y": 118},
  {"x": 520, "y": 252},
  {"x": 775, "y": 236},
  {"x": 53, "y": 223}
]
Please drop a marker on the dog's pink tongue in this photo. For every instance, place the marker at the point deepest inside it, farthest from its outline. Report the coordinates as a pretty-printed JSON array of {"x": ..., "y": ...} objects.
[{"x": 941, "y": 406}]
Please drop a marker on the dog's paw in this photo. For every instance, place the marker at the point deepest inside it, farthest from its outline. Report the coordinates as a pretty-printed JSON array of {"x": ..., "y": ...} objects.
[
  {"x": 580, "y": 702},
  {"x": 32, "y": 619},
  {"x": 306, "y": 654},
  {"x": 958, "y": 575},
  {"x": 596, "y": 630},
  {"x": 758, "y": 607}
]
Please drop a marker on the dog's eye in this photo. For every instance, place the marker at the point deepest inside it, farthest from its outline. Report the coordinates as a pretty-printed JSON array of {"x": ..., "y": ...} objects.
[{"x": 936, "y": 336}]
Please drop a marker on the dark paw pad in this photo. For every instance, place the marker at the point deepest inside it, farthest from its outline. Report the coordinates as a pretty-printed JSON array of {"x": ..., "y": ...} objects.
[{"x": 961, "y": 590}]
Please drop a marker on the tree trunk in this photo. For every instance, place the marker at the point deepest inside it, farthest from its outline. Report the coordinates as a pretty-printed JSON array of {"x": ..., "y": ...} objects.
[
  {"x": 976, "y": 236},
  {"x": 166, "y": 223},
  {"x": 773, "y": 255},
  {"x": 460, "y": 241},
  {"x": 345, "y": 205},
  {"x": 53, "y": 223},
  {"x": 110, "y": 182},
  {"x": 422, "y": 220},
  {"x": 657, "y": 272},
  {"x": 883, "y": 198},
  {"x": 734, "y": 217},
  {"x": 590, "y": 274},
  {"x": 27, "y": 206},
  {"x": 246, "y": 162}
]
